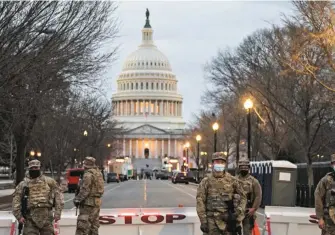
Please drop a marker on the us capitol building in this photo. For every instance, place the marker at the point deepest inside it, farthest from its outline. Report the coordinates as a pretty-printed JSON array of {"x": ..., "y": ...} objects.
[{"x": 148, "y": 107}]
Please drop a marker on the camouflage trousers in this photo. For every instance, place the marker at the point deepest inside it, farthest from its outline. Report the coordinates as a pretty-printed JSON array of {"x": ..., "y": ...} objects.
[
  {"x": 214, "y": 229},
  {"x": 30, "y": 228},
  {"x": 88, "y": 220},
  {"x": 247, "y": 229},
  {"x": 329, "y": 230}
]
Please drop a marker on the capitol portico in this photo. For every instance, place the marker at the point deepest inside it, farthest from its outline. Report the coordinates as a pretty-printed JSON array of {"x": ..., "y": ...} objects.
[{"x": 148, "y": 107}]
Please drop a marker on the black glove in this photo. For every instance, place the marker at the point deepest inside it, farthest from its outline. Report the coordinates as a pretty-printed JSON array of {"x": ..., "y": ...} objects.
[
  {"x": 76, "y": 203},
  {"x": 239, "y": 230},
  {"x": 233, "y": 216},
  {"x": 204, "y": 228}
]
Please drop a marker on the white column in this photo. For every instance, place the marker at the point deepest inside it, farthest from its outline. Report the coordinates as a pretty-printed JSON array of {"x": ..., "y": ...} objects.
[
  {"x": 162, "y": 148},
  {"x": 169, "y": 148},
  {"x": 136, "y": 148},
  {"x": 175, "y": 147},
  {"x": 130, "y": 147},
  {"x": 138, "y": 107},
  {"x": 156, "y": 147},
  {"x": 124, "y": 147},
  {"x": 142, "y": 148},
  {"x": 127, "y": 108},
  {"x": 156, "y": 108},
  {"x": 131, "y": 108},
  {"x": 161, "y": 108},
  {"x": 149, "y": 107}
]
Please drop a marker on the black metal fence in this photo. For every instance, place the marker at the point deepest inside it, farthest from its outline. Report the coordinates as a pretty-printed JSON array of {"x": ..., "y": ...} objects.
[{"x": 304, "y": 194}]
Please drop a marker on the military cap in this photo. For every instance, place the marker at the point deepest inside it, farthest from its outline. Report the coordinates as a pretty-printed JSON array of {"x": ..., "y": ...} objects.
[
  {"x": 219, "y": 156},
  {"x": 244, "y": 161},
  {"x": 34, "y": 163},
  {"x": 89, "y": 162},
  {"x": 332, "y": 157}
]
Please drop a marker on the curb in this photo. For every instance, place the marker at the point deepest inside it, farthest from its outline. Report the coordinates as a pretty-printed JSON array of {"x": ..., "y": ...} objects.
[{"x": 7, "y": 186}]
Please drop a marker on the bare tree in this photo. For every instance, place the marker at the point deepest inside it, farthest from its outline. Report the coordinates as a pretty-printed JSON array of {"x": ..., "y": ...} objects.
[
  {"x": 48, "y": 49},
  {"x": 313, "y": 29}
]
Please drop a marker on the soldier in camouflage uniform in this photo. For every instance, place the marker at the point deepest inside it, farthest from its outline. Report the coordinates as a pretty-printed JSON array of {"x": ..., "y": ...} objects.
[
  {"x": 213, "y": 194},
  {"x": 253, "y": 191},
  {"x": 44, "y": 193},
  {"x": 325, "y": 201},
  {"x": 89, "y": 199}
]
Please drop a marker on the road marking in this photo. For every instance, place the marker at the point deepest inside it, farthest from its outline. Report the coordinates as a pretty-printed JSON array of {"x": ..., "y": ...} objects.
[
  {"x": 105, "y": 192},
  {"x": 112, "y": 189},
  {"x": 145, "y": 190},
  {"x": 180, "y": 190}
]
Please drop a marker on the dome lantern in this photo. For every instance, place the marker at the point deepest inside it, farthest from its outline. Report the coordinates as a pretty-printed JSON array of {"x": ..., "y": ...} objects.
[{"x": 147, "y": 32}]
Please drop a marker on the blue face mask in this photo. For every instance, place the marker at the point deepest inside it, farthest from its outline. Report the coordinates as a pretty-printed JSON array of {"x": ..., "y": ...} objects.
[{"x": 219, "y": 167}]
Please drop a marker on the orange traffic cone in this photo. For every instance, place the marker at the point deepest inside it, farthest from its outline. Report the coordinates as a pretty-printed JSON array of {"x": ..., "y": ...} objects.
[{"x": 255, "y": 230}]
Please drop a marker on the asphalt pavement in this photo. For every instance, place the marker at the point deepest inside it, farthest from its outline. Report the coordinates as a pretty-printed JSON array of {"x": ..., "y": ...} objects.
[{"x": 144, "y": 193}]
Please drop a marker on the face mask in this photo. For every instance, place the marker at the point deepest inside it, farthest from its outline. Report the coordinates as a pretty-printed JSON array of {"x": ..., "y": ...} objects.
[
  {"x": 219, "y": 167},
  {"x": 34, "y": 173},
  {"x": 244, "y": 172}
]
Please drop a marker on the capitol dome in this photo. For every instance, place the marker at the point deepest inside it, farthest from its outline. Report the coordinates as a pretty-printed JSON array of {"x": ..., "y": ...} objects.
[
  {"x": 147, "y": 57},
  {"x": 147, "y": 88}
]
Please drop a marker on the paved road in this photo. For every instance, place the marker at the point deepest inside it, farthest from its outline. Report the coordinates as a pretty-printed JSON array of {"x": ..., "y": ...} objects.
[{"x": 144, "y": 193}]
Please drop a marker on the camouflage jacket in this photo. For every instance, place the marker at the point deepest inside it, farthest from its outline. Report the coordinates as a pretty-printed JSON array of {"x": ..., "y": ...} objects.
[
  {"x": 251, "y": 185},
  {"x": 324, "y": 185},
  {"x": 54, "y": 195},
  {"x": 205, "y": 193},
  {"x": 92, "y": 188}
]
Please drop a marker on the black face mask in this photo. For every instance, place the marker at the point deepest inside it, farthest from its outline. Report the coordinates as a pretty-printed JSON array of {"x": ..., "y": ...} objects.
[
  {"x": 34, "y": 173},
  {"x": 244, "y": 172}
]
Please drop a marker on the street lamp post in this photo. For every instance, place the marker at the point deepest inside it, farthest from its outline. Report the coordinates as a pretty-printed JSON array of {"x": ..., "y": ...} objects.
[
  {"x": 248, "y": 104},
  {"x": 215, "y": 129},
  {"x": 198, "y": 138},
  {"x": 187, "y": 145}
]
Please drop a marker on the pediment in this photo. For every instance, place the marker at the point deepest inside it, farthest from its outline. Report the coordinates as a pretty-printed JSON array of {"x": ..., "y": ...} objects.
[{"x": 146, "y": 130}]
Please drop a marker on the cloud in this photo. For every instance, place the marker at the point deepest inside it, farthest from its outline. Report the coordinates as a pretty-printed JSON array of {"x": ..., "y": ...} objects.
[{"x": 189, "y": 34}]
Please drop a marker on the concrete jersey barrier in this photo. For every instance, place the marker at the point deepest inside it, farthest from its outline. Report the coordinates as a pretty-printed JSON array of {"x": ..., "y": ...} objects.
[
  {"x": 132, "y": 221},
  {"x": 290, "y": 221}
]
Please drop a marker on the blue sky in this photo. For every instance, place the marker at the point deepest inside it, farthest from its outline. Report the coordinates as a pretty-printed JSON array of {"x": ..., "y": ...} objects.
[{"x": 190, "y": 34}]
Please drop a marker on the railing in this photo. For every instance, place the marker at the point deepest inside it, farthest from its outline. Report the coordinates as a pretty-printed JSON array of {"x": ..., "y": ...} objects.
[{"x": 305, "y": 196}]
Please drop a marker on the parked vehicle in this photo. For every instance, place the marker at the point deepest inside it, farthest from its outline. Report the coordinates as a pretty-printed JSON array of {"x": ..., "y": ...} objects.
[
  {"x": 72, "y": 176},
  {"x": 113, "y": 177},
  {"x": 163, "y": 175},
  {"x": 180, "y": 177}
]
